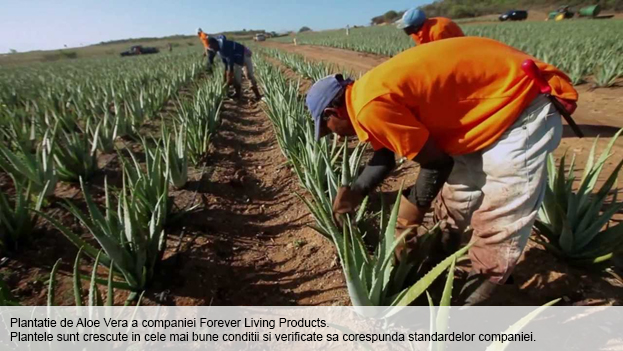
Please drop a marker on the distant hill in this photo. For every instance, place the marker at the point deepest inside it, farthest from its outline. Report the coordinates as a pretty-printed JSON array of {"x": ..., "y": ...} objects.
[
  {"x": 475, "y": 8},
  {"x": 236, "y": 35}
]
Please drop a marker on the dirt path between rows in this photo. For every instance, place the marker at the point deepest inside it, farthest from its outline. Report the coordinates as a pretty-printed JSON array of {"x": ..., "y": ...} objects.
[{"x": 253, "y": 245}]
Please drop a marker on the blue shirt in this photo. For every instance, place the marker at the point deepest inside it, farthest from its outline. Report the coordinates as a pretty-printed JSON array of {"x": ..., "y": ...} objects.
[{"x": 231, "y": 52}]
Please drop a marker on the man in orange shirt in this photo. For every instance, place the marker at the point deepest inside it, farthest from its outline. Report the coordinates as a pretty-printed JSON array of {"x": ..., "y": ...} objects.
[
  {"x": 425, "y": 30},
  {"x": 206, "y": 46},
  {"x": 479, "y": 129}
]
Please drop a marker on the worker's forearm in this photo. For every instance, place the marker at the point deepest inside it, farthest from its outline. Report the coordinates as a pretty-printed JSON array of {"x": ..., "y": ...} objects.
[
  {"x": 431, "y": 179},
  {"x": 378, "y": 168}
]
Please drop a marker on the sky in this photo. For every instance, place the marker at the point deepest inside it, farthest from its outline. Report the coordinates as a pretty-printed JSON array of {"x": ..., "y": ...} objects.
[{"x": 51, "y": 24}]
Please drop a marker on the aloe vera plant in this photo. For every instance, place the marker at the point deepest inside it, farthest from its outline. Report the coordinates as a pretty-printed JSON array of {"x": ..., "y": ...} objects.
[
  {"x": 148, "y": 185},
  {"x": 126, "y": 126},
  {"x": 19, "y": 130},
  {"x": 104, "y": 134},
  {"x": 175, "y": 156},
  {"x": 199, "y": 118},
  {"x": 94, "y": 297},
  {"x": 38, "y": 169},
  {"x": 17, "y": 221},
  {"x": 606, "y": 73},
  {"x": 75, "y": 156},
  {"x": 298, "y": 63},
  {"x": 378, "y": 279},
  {"x": 131, "y": 247},
  {"x": 574, "y": 224}
]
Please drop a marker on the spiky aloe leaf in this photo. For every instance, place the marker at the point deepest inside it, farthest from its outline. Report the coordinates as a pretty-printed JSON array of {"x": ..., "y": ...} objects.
[
  {"x": 110, "y": 290},
  {"x": 519, "y": 325},
  {"x": 356, "y": 289},
  {"x": 446, "y": 297},
  {"x": 77, "y": 281},
  {"x": 75, "y": 239},
  {"x": 442, "y": 316},
  {"x": 345, "y": 166},
  {"x": 94, "y": 296},
  {"x": 421, "y": 285},
  {"x": 52, "y": 283}
]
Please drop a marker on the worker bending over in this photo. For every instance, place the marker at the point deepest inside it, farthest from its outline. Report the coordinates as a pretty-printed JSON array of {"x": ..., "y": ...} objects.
[
  {"x": 234, "y": 56},
  {"x": 477, "y": 125},
  {"x": 425, "y": 30}
]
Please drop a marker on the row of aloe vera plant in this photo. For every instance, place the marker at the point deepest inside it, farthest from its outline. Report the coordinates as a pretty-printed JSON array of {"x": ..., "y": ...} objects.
[
  {"x": 55, "y": 132},
  {"x": 131, "y": 229},
  {"x": 132, "y": 235},
  {"x": 298, "y": 63},
  {"x": 373, "y": 278}
]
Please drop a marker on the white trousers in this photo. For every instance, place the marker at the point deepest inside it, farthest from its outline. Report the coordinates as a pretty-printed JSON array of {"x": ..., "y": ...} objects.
[
  {"x": 499, "y": 190},
  {"x": 248, "y": 66}
]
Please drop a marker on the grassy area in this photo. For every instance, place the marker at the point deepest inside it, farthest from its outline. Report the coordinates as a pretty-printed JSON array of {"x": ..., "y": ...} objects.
[
  {"x": 114, "y": 48},
  {"x": 98, "y": 50}
]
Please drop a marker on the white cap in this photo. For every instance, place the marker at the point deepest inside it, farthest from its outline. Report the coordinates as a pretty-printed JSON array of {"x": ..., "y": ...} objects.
[{"x": 199, "y": 30}]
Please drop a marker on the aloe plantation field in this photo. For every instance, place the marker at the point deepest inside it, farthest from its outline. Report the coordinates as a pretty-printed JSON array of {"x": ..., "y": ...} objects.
[
  {"x": 138, "y": 181},
  {"x": 581, "y": 48}
]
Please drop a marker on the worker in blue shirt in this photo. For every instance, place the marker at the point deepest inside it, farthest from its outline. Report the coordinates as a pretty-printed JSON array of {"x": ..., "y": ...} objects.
[{"x": 234, "y": 56}]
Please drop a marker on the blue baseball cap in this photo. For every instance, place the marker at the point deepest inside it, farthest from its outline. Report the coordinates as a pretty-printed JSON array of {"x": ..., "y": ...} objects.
[
  {"x": 321, "y": 94},
  {"x": 412, "y": 17}
]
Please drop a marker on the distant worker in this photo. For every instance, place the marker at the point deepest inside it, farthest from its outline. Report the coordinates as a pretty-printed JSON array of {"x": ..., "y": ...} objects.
[
  {"x": 425, "y": 30},
  {"x": 234, "y": 56},
  {"x": 479, "y": 129},
  {"x": 347, "y": 30},
  {"x": 206, "y": 46}
]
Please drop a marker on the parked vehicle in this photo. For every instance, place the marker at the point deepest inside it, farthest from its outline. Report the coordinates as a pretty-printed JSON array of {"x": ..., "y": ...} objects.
[
  {"x": 514, "y": 15},
  {"x": 563, "y": 12},
  {"x": 260, "y": 37},
  {"x": 140, "y": 50}
]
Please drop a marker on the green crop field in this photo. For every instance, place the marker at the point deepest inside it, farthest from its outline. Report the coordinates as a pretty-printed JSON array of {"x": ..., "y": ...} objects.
[
  {"x": 580, "y": 47},
  {"x": 98, "y": 154},
  {"x": 153, "y": 114}
]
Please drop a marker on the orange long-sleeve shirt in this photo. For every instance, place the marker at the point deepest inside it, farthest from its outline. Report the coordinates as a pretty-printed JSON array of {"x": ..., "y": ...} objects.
[
  {"x": 204, "y": 39},
  {"x": 437, "y": 28},
  {"x": 462, "y": 92}
]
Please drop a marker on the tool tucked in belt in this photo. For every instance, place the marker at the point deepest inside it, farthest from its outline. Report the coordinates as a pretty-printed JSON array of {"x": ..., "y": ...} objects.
[{"x": 532, "y": 71}]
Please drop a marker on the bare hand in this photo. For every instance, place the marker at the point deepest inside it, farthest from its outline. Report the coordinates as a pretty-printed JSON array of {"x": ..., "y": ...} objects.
[{"x": 345, "y": 202}]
